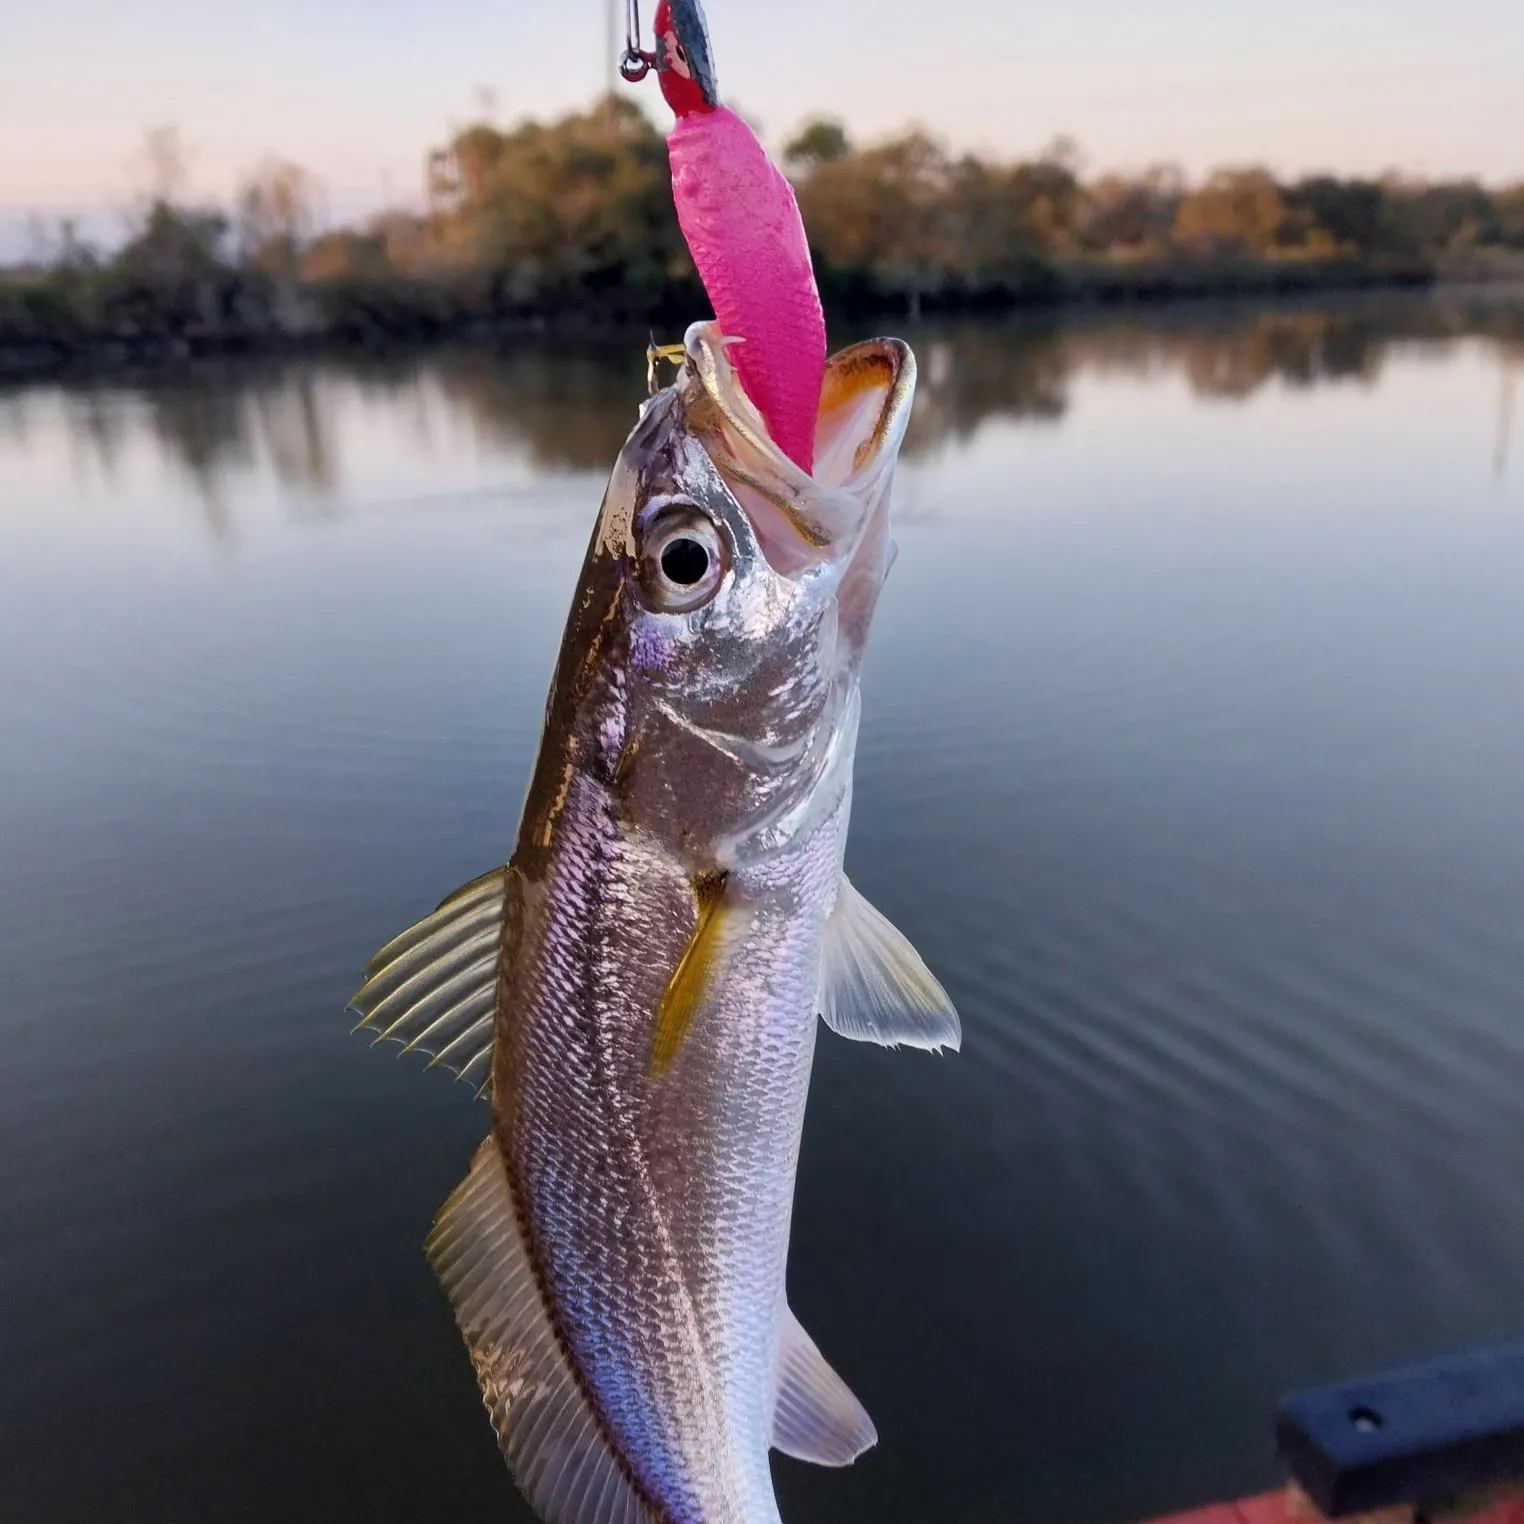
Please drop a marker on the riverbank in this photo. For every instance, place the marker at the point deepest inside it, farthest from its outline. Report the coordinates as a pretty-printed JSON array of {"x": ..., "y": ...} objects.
[{"x": 569, "y": 225}]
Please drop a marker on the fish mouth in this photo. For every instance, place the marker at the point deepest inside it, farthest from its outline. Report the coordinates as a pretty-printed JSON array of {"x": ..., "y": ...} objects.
[{"x": 803, "y": 520}]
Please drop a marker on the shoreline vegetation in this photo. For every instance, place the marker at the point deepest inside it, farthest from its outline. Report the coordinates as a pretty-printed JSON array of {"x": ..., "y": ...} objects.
[{"x": 569, "y": 225}]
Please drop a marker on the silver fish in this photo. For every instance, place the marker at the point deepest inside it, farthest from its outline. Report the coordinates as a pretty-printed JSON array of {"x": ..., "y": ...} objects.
[{"x": 638, "y": 989}]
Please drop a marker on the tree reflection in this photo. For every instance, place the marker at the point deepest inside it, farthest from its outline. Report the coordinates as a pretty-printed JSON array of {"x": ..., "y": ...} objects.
[
  {"x": 99, "y": 434},
  {"x": 201, "y": 423},
  {"x": 565, "y": 410},
  {"x": 969, "y": 374},
  {"x": 296, "y": 430},
  {"x": 563, "y": 405},
  {"x": 13, "y": 423},
  {"x": 1513, "y": 362}
]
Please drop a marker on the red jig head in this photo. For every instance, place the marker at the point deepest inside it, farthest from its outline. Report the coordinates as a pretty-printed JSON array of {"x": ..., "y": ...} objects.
[{"x": 683, "y": 61}]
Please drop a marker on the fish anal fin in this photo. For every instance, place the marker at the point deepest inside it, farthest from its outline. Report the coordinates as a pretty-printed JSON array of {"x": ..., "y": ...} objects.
[
  {"x": 547, "y": 1429},
  {"x": 434, "y": 988},
  {"x": 815, "y": 1416},
  {"x": 874, "y": 986}
]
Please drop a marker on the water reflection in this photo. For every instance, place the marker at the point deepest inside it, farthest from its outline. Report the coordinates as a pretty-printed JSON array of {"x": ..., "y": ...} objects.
[
  {"x": 291, "y": 420},
  {"x": 566, "y": 407},
  {"x": 1506, "y": 397},
  {"x": 567, "y": 411}
]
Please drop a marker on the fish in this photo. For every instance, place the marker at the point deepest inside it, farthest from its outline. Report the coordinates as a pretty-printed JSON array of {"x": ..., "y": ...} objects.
[{"x": 637, "y": 991}]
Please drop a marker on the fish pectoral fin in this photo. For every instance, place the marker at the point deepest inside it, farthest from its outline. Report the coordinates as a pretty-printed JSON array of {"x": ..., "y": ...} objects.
[
  {"x": 874, "y": 986},
  {"x": 434, "y": 988},
  {"x": 691, "y": 978},
  {"x": 547, "y": 1429},
  {"x": 815, "y": 1416}
]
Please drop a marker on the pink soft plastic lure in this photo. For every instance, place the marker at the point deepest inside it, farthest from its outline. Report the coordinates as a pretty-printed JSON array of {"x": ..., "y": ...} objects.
[{"x": 743, "y": 228}]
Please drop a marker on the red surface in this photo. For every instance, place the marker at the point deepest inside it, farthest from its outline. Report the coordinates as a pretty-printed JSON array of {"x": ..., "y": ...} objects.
[
  {"x": 680, "y": 88},
  {"x": 1216, "y": 1513},
  {"x": 1277, "y": 1508}
]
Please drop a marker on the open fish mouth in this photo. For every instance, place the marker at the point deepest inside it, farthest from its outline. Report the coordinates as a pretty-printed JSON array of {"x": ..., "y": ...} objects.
[{"x": 803, "y": 520}]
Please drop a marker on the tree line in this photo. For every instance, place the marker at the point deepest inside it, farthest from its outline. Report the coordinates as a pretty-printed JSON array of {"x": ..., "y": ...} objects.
[{"x": 572, "y": 221}]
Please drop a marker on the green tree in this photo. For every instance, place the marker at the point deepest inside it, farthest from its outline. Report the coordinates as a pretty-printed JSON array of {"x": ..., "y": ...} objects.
[
  {"x": 582, "y": 205},
  {"x": 1508, "y": 215},
  {"x": 171, "y": 279},
  {"x": 884, "y": 212},
  {"x": 1422, "y": 218},
  {"x": 1349, "y": 211},
  {"x": 1120, "y": 215},
  {"x": 821, "y": 140}
]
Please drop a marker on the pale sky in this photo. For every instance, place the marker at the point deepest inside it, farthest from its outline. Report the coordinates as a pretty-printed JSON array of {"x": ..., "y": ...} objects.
[{"x": 358, "y": 91}]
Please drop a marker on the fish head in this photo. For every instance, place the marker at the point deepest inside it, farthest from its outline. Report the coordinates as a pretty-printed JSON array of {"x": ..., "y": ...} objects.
[{"x": 748, "y": 589}]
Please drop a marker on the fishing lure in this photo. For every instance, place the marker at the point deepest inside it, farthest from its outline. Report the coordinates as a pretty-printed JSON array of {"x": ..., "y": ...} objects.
[{"x": 741, "y": 221}]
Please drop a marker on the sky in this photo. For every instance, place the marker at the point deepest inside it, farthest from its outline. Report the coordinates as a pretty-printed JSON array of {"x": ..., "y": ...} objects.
[{"x": 357, "y": 92}]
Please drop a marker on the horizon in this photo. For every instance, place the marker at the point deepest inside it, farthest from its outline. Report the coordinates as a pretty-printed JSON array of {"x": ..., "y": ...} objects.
[{"x": 358, "y": 97}]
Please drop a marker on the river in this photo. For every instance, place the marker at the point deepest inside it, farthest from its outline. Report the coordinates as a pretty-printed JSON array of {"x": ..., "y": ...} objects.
[{"x": 1192, "y": 760}]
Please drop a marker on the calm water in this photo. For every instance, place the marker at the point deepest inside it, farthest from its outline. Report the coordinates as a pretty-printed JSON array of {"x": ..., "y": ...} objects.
[{"x": 1193, "y": 761}]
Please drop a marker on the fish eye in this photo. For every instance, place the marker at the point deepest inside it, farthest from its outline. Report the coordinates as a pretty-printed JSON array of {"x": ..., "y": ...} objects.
[{"x": 682, "y": 560}]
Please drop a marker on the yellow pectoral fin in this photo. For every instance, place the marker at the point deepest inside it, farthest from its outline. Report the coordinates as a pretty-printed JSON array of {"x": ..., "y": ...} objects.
[{"x": 692, "y": 977}]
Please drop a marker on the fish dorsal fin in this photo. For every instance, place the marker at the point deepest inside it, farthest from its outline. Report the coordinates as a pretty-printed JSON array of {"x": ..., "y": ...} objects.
[
  {"x": 815, "y": 1416},
  {"x": 874, "y": 986},
  {"x": 548, "y": 1430},
  {"x": 434, "y": 988}
]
